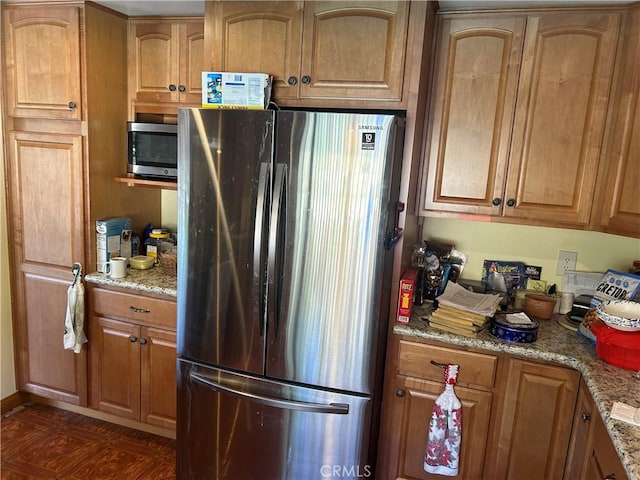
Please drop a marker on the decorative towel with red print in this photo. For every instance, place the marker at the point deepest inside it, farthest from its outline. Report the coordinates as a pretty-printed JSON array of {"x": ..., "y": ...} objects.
[{"x": 445, "y": 429}]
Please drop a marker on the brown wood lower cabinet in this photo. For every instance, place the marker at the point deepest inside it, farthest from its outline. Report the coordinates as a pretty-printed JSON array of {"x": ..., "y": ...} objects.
[
  {"x": 521, "y": 419},
  {"x": 534, "y": 421},
  {"x": 415, "y": 399},
  {"x": 592, "y": 455},
  {"x": 133, "y": 359}
]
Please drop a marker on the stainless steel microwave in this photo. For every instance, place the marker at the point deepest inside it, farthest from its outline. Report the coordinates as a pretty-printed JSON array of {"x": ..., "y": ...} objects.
[{"x": 153, "y": 150}]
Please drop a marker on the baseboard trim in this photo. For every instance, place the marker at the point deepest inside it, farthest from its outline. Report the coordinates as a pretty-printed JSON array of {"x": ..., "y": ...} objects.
[
  {"x": 107, "y": 417},
  {"x": 12, "y": 401}
]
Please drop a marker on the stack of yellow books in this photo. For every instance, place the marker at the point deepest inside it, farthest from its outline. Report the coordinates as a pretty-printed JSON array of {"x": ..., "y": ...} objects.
[{"x": 455, "y": 320}]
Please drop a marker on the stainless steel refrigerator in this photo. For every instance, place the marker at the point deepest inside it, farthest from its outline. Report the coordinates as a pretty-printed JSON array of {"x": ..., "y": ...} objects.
[{"x": 283, "y": 290}]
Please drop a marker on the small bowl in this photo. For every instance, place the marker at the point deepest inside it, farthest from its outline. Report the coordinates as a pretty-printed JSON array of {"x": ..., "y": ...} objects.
[
  {"x": 141, "y": 262},
  {"x": 622, "y": 315},
  {"x": 539, "y": 306}
]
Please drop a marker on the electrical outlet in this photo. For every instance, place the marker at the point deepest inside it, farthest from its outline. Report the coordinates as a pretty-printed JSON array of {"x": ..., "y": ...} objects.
[{"x": 566, "y": 261}]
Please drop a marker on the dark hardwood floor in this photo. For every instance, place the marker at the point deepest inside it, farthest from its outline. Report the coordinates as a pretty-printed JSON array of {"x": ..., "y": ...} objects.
[{"x": 40, "y": 441}]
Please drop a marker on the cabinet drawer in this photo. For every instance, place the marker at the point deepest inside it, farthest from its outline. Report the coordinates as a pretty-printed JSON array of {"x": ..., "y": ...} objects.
[
  {"x": 141, "y": 309},
  {"x": 414, "y": 359}
]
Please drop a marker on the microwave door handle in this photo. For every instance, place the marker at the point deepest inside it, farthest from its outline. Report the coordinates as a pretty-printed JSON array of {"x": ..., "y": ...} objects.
[
  {"x": 278, "y": 215},
  {"x": 334, "y": 408},
  {"x": 258, "y": 235}
]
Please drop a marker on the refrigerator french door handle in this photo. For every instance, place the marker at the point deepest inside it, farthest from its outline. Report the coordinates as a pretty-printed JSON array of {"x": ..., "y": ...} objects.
[
  {"x": 273, "y": 262},
  {"x": 261, "y": 202},
  {"x": 334, "y": 408}
]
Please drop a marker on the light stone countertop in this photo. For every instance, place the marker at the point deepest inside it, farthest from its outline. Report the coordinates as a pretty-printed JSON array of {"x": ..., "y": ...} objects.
[
  {"x": 555, "y": 343},
  {"x": 151, "y": 281}
]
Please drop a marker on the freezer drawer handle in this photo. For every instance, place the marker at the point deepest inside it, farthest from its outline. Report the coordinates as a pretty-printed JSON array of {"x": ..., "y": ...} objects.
[{"x": 336, "y": 408}]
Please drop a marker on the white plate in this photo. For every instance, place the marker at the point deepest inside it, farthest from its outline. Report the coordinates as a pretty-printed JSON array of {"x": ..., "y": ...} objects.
[{"x": 620, "y": 314}]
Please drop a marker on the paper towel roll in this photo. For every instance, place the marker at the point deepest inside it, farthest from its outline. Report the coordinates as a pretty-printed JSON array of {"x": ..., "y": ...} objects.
[{"x": 566, "y": 303}]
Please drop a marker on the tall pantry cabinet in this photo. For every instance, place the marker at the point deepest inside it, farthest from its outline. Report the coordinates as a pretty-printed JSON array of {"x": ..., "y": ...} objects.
[{"x": 65, "y": 141}]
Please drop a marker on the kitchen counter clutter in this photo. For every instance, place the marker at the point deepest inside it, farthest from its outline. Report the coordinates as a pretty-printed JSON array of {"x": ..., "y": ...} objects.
[
  {"x": 606, "y": 383},
  {"x": 153, "y": 280}
]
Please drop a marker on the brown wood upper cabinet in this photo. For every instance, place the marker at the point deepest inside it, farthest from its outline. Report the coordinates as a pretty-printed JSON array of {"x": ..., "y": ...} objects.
[
  {"x": 43, "y": 62},
  {"x": 165, "y": 63},
  {"x": 317, "y": 52},
  {"x": 621, "y": 204},
  {"x": 518, "y": 114}
]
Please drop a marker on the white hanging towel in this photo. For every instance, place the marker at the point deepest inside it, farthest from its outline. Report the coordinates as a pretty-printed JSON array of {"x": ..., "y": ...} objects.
[
  {"x": 74, "y": 335},
  {"x": 445, "y": 429}
]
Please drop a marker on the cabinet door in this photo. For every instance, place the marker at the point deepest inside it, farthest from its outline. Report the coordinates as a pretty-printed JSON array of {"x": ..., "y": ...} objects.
[
  {"x": 153, "y": 61},
  {"x": 602, "y": 459},
  {"x": 580, "y": 434},
  {"x": 256, "y": 37},
  {"x": 562, "y": 100},
  {"x": 621, "y": 207},
  {"x": 535, "y": 423},
  {"x": 115, "y": 367},
  {"x": 354, "y": 49},
  {"x": 191, "y": 62},
  {"x": 476, "y": 73},
  {"x": 45, "y": 201},
  {"x": 415, "y": 398},
  {"x": 158, "y": 381},
  {"x": 43, "y": 61}
]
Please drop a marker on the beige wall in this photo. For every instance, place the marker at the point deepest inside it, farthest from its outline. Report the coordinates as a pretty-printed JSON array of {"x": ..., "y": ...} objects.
[
  {"x": 532, "y": 245},
  {"x": 495, "y": 241},
  {"x": 7, "y": 371}
]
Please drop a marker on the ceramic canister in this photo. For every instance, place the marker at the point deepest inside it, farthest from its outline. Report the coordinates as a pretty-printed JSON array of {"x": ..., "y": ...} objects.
[{"x": 499, "y": 327}]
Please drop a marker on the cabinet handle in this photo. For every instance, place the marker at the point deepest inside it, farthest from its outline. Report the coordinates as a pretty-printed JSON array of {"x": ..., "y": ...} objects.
[
  {"x": 399, "y": 393},
  {"x": 71, "y": 105},
  {"x": 439, "y": 365},
  {"x": 611, "y": 476},
  {"x": 139, "y": 310},
  {"x": 143, "y": 341},
  {"x": 306, "y": 79},
  {"x": 182, "y": 88},
  {"x": 133, "y": 339},
  {"x": 172, "y": 88},
  {"x": 292, "y": 80},
  {"x": 496, "y": 201},
  {"x": 511, "y": 202},
  {"x": 585, "y": 417}
]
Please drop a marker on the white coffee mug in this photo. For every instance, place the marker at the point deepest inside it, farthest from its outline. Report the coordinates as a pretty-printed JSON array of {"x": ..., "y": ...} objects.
[{"x": 116, "y": 267}]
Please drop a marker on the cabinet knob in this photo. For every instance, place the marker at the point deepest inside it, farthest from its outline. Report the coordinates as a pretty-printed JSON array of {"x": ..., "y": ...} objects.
[
  {"x": 133, "y": 339},
  {"x": 399, "y": 393},
  {"x": 143, "y": 341},
  {"x": 306, "y": 79},
  {"x": 182, "y": 88},
  {"x": 585, "y": 417},
  {"x": 292, "y": 80},
  {"x": 71, "y": 105},
  {"x": 611, "y": 476},
  {"x": 172, "y": 88},
  {"x": 511, "y": 202},
  {"x": 496, "y": 201}
]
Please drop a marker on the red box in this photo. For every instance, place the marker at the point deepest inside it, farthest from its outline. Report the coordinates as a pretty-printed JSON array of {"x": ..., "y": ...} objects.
[{"x": 405, "y": 295}]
